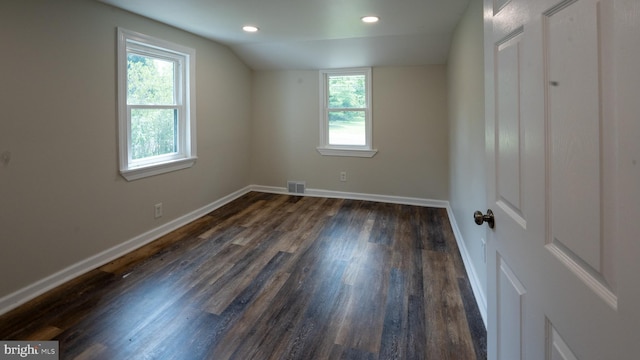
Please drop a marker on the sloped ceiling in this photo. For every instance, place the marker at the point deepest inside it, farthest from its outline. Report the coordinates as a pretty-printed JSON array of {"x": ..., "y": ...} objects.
[{"x": 315, "y": 34}]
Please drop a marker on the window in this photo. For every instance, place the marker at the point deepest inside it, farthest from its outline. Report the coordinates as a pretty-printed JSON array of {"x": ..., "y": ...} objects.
[
  {"x": 156, "y": 105},
  {"x": 345, "y": 119}
]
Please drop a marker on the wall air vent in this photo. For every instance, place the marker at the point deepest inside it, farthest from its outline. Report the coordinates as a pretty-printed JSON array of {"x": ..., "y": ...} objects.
[{"x": 296, "y": 187}]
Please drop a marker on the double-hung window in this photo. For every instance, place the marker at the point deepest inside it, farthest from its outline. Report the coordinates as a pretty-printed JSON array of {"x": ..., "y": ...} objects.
[
  {"x": 156, "y": 102},
  {"x": 345, "y": 113}
]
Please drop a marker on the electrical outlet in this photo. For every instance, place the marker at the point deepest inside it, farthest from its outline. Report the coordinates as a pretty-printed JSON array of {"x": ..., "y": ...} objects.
[
  {"x": 343, "y": 176},
  {"x": 158, "y": 210}
]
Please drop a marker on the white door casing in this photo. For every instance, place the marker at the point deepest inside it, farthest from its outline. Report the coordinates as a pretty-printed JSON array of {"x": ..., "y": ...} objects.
[{"x": 562, "y": 84}]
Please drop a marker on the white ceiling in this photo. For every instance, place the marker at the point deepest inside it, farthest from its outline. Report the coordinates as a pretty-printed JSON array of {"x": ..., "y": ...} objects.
[{"x": 315, "y": 34}]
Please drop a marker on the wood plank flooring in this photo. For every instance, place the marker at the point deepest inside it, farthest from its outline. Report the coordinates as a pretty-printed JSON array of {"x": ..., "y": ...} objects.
[{"x": 273, "y": 277}]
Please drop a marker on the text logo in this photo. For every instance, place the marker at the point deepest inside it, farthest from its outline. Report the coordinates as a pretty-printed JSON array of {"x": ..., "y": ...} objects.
[{"x": 29, "y": 350}]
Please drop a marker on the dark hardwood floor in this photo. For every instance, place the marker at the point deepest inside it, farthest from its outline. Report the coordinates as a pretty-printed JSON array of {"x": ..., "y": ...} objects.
[{"x": 273, "y": 277}]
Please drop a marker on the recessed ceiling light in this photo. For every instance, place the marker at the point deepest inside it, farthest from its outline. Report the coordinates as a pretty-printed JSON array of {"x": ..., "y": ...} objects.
[
  {"x": 370, "y": 19},
  {"x": 250, "y": 28}
]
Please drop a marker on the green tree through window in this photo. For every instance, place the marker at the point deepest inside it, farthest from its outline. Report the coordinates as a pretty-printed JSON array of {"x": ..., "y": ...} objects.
[
  {"x": 151, "y": 82},
  {"x": 346, "y": 114},
  {"x": 156, "y": 105}
]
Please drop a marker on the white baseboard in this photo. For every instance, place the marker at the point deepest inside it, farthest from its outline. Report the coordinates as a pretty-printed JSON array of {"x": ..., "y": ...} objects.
[
  {"x": 29, "y": 292},
  {"x": 481, "y": 299},
  {"x": 443, "y": 204}
]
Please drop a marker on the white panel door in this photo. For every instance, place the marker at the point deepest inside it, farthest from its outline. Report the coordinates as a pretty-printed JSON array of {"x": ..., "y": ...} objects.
[{"x": 563, "y": 158}]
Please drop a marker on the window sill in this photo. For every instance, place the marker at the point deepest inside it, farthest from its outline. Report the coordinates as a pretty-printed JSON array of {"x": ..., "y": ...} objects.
[
  {"x": 347, "y": 152},
  {"x": 157, "y": 169}
]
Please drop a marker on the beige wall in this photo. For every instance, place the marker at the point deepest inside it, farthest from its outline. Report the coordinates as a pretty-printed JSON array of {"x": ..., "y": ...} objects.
[
  {"x": 61, "y": 197},
  {"x": 409, "y": 130},
  {"x": 465, "y": 74}
]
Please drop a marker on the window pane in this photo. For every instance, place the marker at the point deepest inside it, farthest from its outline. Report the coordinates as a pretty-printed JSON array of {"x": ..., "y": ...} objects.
[
  {"x": 153, "y": 132},
  {"x": 150, "y": 81},
  {"x": 347, "y": 91},
  {"x": 347, "y": 128}
]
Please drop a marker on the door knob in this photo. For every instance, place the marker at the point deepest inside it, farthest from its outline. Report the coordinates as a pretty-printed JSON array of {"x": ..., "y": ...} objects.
[{"x": 480, "y": 218}]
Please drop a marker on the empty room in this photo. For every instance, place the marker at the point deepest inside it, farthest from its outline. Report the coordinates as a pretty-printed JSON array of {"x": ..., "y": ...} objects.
[{"x": 216, "y": 179}]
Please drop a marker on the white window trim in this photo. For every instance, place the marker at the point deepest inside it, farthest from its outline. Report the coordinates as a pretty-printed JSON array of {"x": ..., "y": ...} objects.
[
  {"x": 186, "y": 155},
  {"x": 345, "y": 150}
]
